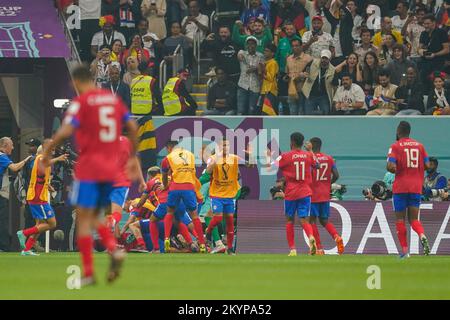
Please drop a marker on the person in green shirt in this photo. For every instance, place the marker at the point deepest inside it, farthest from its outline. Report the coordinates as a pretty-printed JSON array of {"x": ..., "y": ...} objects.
[
  {"x": 261, "y": 32},
  {"x": 284, "y": 44}
]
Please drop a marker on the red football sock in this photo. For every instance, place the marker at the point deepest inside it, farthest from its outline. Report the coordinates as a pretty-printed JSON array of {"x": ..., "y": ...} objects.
[
  {"x": 154, "y": 234},
  {"x": 417, "y": 227},
  {"x": 107, "y": 238},
  {"x": 30, "y": 243},
  {"x": 199, "y": 229},
  {"x": 331, "y": 230},
  {"x": 216, "y": 220},
  {"x": 117, "y": 216},
  {"x": 28, "y": 232},
  {"x": 230, "y": 231},
  {"x": 290, "y": 235},
  {"x": 184, "y": 231},
  {"x": 85, "y": 245},
  {"x": 308, "y": 229},
  {"x": 168, "y": 222},
  {"x": 316, "y": 235},
  {"x": 194, "y": 233},
  {"x": 140, "y": 242},
  {"x": 401, "y": 234}
]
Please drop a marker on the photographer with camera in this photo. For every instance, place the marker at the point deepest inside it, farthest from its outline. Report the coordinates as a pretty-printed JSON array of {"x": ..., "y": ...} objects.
[
  {"x": 277, "y": 191},
  {"x": 6, "y": 148},
  {"x": 380, "y": 190},
  {"x": 435, "y": 184}
]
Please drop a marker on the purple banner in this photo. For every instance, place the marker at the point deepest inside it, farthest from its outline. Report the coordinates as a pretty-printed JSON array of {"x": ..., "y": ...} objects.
[
  {"x": 31, "y": 29},
  {"x": 366, "y": 228}
]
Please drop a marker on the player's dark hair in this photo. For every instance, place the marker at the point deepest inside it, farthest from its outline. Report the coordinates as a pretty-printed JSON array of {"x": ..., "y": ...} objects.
[
  {"x": 171, "y": 143},
  {"x": 316, "y": 143},
  {"x": 404, "y": 128},
  {"x": 297, "y": 139},
  {"x": 82, "y": 73}
]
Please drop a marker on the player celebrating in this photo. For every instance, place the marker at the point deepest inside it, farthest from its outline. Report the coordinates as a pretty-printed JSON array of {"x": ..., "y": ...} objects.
[
  {"x": 296, "y": 166},
  {"x": 180, "y": 165},
  {"x": 322, "y": 178},
  {"x": 96, "y": 117},
  {"x": 38, "y": 201},
  {"x": 224, "y": 170},
  {"x": 408, "y": 159}
]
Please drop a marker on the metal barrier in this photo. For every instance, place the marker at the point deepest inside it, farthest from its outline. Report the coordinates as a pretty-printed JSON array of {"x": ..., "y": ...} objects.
[
  {"x": 197, "y": 52},
  {"x": 177, "y": 63}
]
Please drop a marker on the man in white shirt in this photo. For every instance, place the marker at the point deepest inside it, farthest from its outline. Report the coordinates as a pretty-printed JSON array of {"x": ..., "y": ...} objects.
[
  {"x": 106, "y": 36},
  {"x": 316, "y": 40},
  {"x": 399, "y": 20},
  {"x": 195, "y": 22},
  {"x": 89, "y": 15},
  {"x": 349, "y": 98}
]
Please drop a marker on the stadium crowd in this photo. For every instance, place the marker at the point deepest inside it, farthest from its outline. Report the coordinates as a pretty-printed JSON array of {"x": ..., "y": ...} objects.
[{"x": 297, "y": 57}]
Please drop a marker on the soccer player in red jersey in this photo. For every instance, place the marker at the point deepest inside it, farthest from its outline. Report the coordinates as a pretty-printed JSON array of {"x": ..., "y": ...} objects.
[
  {"x": 95, "y": 117},
  {"x": 408, "y": 159},
  {"x": 323, "y": 177},
  {"x": 297, "y": 166}
]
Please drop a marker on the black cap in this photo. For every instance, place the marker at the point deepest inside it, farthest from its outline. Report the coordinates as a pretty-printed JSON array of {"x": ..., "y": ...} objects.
[{"x": 33, "y": 142}]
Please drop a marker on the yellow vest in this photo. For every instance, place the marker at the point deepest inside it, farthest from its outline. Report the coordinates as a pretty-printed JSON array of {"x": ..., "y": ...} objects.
[
  {"x": 182, "y": 164},
  {"x": 33, "y": 182},
  {"x": 224, "y": 178},
  {"x": 171, "y": 101},
  {"x": 141, "y": 95}
]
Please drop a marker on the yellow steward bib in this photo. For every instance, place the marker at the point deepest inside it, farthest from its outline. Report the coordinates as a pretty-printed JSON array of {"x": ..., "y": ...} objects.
[
  {"x": 225, "y": 176},
  {"x": 44, "y": 180},
  {"x": 182, "y": 165},
  {"x": 171, "y": 101},
  {"x": 141, "y": 95}
]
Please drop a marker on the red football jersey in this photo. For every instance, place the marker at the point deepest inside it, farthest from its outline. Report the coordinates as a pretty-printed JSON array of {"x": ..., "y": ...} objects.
[
  {"x": 410, "y": 157},
  {"x": 321, "y": 178},
  {"x": 97, "y": 116},
  {"x": 152, "y": 187},
  {"x": 297, "y": 166},
  {"x": 123, "y": 154}
]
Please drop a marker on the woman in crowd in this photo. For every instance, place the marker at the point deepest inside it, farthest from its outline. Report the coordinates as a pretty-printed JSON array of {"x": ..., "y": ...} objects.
[
  {"x": 370, "y": 72},
  {"x": 137, "y": 50},
  {"x": 352, "y": 67},
  {"x": 387, "y": 47},
  {"x": 154, "y": 11},
  {"x": 132, "y": 70},
  {"x": 116, "y": 51},
  {"x": 439, "y": 97}
]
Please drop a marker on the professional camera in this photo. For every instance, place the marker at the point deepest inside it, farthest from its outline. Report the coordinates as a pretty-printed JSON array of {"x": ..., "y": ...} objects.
[
  {"x": 337, "y": 191},
  {"x": 245, "y": 191},
  {"x": 438, "y": 192},
  {"x": 379, "y": 190},
  {"x": 72, "y": 155},
  {"x": 278, "y": 187}
]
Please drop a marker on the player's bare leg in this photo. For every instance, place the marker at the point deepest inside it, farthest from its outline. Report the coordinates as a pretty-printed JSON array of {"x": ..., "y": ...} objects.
[
  {"x": 401, "y": 232},
  {"x": 41, "y": 227},
  {"x": 313, "y": 222},
  {"x": 290, "y": 236},
  {"x": 309, "y": 233},
  {"x": 413, "y": 218},
  {"x": 199, "y": 229},
  {"x": 333, "y": 233},
  {"x": 115, "y": 217},
  {"x": 135, "y": 228}
]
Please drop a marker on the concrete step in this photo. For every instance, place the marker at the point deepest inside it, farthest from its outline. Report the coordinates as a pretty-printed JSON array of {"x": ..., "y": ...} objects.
[{"x": 199, "y": 88}]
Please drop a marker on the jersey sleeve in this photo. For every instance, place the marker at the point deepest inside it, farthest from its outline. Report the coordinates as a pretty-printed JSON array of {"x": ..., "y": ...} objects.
[
  {"x": 392, "y": 154},
  {"x": 125, "y": 113},
  {"x": 333, "y": 163},
  {"x": 165, "y": 165},
  {"x": 279, "y": 162},
  {"x": 73, "y": 114},
  {"x": 425, "y": 155}
]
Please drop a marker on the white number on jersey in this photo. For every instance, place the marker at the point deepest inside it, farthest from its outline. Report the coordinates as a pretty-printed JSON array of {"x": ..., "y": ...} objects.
[
  {"x": 412, "y": 158},
  {"x": 108, "y": 132},
  {"x": 321, "y": 171},
  {"x": 297, "y": 165}
]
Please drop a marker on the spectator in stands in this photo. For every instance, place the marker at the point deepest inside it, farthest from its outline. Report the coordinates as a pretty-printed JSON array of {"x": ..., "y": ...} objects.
[
  {"x": 293, "y": 11},
  {"x": 350, "y": 66},
  {"x": 370, "y": 72},
  {"x": 195, "y": 23},
  {"x": 100, "y": 66},
  {"x": 316, "y": 40},
  {"x": 261, "y": 33},
  {"x": 439, "y": 97},
  {"x": 349, "y": 98},
  {"x": 295, "y": 66},
  {"x": 117, "y": 51},
  {"x": 323, "y": 8},
  {"x": 271, "y": 69},
  {"x": 222, "y": 95},
  {"x": 386, "y": 50},
  {"x": 386, "y": 28},
  {"x": 399, "y": 20},
  {"x": 256, "y": 10},
  {"x": 175, "y": 11},
  {"x": 434, "y": 182},
  {"x": 154, "y": 11},
  {"x": 118, "y": 87},
  {"x": 412, "y": 30},
  {"x": 384, "y": 94},
  {"x": 136, "y": 49},
  {"x": 227, "y": 12},
  {"x": 346, "y": 24},
  {"x": 106, "y": 36},
  {"x": 365, "y": 46},
  {"x": 433, "y": 48},
  {"x": 318, "y": 87},
  {"x": 410, "y": 94},
  {"x": 90, "y": 12},
  {"x": 358, "y": 22},
  {"x": 171, "y": 43},
  {"x": 144, "y": 91},
  {"x": 223, "y": 52},
  {"x": 129, "y": 15},
  {"x": 249, "y": 85},
  {"x": 176, "y": 99},
  {"x": 399, "y": 64},
  {"x": 132, "y": 70},
  {"x": 149, "y": 39}
]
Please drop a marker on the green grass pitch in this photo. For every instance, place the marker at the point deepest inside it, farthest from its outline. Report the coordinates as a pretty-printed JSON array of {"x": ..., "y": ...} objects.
[{"x": 244, "y": 276}]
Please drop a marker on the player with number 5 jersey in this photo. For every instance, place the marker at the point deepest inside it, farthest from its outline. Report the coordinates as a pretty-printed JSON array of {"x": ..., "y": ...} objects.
[
  {"x": 96, "y": 118},
  {"x": 408, "y": 159},
  {"x": 296, "y": 166}
]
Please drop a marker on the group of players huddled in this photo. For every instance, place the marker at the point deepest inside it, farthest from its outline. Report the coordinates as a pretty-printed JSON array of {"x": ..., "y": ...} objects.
[{"x": 107, "y": 165}]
